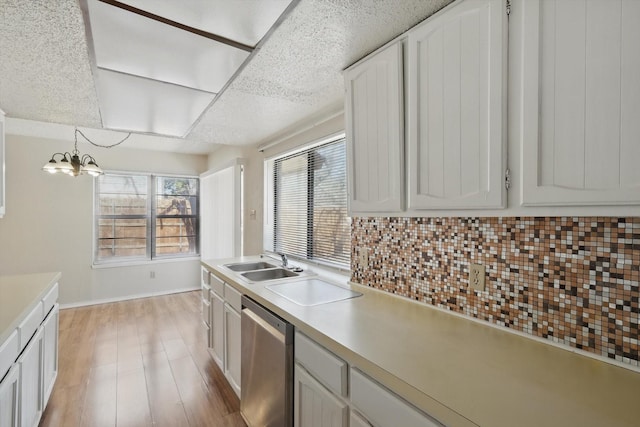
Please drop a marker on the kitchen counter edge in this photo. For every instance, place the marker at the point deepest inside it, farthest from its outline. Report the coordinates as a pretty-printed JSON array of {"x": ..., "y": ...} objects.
[
  {"x": 22, "y": 292},
  {"x": 413, "y": 388}
]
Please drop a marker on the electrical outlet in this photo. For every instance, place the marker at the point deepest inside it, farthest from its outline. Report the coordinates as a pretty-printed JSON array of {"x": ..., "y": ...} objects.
[
  {"x": 363, "y": 257},
  {"x": 152, "y": 274},
  {"x": 476, "y": 276}
]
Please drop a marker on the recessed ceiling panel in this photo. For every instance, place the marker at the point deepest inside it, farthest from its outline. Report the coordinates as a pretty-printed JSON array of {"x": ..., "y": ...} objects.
[
  {"x": 295, "y": 77},
  {"x": 133, "y": 44},
  {"x": 245, "y": 21},
  {"x": 141, "y": 105}
]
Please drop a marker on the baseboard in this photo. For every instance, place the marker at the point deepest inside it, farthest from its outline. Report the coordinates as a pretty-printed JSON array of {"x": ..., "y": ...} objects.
[{"x": 125, "y": 298}]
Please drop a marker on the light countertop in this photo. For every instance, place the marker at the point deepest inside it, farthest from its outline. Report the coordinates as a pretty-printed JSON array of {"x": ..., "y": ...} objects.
[
  {"x": 460, "y": 371},
  {"x": 18, "y": 296}
]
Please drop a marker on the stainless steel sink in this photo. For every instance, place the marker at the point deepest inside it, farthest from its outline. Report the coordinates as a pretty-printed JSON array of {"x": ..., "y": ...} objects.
[
  {"x": 262, "y": 275},
  {"x": 249, "y": 266}
]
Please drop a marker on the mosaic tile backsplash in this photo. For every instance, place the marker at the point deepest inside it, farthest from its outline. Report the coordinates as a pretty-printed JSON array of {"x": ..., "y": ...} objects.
[{"x": 572, "y": 280}]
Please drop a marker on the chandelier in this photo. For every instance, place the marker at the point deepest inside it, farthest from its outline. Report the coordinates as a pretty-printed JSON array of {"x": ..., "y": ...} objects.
[{"x": 73, "y": 163}]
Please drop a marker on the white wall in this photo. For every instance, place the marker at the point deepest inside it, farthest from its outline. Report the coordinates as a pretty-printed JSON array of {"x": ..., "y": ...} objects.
[{"x": 48, "y": 224}]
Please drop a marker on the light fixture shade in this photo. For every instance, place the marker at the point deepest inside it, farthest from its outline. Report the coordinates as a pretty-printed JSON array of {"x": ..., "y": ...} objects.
[
  {"x": 51, "y": 166},
  {"x": 65, "y": 166},
  {"x": 92, "y": 169}
]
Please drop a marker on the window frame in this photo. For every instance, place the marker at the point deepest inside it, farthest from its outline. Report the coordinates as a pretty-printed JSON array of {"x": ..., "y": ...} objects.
[
  {"x": 154, "y": 218},
  {"x": 150, "y": 239},
  {"x": 270, "y": 202}
]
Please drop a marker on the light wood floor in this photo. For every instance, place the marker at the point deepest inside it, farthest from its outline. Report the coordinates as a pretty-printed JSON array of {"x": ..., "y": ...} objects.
[{"x": 139, "y": 363}]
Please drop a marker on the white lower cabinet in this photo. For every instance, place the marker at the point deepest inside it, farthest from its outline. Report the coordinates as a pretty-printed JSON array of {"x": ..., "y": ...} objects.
[
  {"x": 314, "y": 405},
  {"x": 50, "y": 352},
  {"x": 325, "y": 397},
  {"x": 225, "y": 329},
  {"x": 205, "y": 310},
  {"x": 216, "y": 341},
  {"x": 206, "y": 313},
  {"x": 30, "y": 363},
  {"x": 232, "y": 331},
  {"x": 9, "y": 388},
  {"x": 356, "y": 420}
]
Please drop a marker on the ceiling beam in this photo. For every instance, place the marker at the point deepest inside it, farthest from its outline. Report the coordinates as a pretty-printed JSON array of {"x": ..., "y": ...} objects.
[{"x": 178, "y": 25}]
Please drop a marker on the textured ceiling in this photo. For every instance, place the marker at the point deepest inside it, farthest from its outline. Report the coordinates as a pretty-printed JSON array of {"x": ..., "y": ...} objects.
[{"x": 296, "y": 76}]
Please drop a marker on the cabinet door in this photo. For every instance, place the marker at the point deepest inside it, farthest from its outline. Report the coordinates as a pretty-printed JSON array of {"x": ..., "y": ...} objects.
[
  {"x": 205, "y": 277},
  {"x": 314, "y": 405},
  {"x": 205, "y": 313},
  {"x": 232, "y": 359},
  {"x": 581, "y": 102},
  {"x": 375, "y": 132},
  {"x": 49, "y": 353},
  {"x": 457, "y": 108},
  {"x": 30, "y": 363},
  {"x": 9, "y": 398},
  {"x": 217, "y": 329},
  {"x": 356, "y": 420}
]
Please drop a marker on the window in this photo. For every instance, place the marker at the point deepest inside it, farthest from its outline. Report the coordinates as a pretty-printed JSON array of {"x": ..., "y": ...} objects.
[
  {"x": 309, "y": 203},
  {"x": 143, "y": 217}
]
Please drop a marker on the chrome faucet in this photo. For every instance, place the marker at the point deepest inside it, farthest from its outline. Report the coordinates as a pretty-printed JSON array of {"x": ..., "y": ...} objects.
[{"x": 285, "y": 261}]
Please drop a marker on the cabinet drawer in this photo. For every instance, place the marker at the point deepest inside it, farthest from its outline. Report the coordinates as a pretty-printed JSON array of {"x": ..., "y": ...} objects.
[
  {"x": 324, "y": 365},
  {"x": 233, "y": 297},
  {"x": 29, "y": 325},
  {"x": 205, "y": 276},
  {"x": 9, "y": 351},
  {"x": 50, "y": 299},
  {"x": 217, "y": 285},
  {"x": 382, "y": 407}
]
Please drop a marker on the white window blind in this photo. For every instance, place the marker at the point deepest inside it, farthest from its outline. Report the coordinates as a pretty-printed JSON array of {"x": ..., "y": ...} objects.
[{"x": 310, "y": 204}]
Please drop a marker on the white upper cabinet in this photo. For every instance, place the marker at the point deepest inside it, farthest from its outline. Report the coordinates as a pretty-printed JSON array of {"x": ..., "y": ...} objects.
[
  {"x": 580, "y": 102},
  {"x": 456, "y": 91},
  {"x": 375, "y": 132}
]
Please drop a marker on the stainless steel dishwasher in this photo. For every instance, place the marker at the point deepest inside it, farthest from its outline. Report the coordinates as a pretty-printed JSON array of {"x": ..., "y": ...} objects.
[{"x": 266, "y": 379}]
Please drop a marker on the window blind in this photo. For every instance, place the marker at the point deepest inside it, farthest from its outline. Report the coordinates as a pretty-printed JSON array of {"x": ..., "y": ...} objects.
[{"x": 310, "y": 204}]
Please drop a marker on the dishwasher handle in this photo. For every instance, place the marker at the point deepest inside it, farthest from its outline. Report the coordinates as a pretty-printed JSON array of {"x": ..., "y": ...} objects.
[{"x": 284, "y": 327}]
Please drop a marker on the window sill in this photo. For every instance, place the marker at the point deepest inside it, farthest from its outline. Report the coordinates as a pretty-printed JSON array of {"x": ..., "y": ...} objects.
[{"x": 119, "y": 264}]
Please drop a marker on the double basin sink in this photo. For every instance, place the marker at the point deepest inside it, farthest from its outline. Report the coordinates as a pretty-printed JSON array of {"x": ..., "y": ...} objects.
[
  {"x": 306, "y": 291},
  {"x": 260, "y": 271}
]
